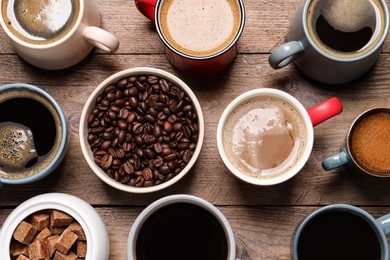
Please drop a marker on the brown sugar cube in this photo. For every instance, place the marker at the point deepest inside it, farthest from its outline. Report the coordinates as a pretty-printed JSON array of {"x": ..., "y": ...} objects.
[
  {"x": 59, "y": 218},
  {"x": 22, "y": 257},
  {"x": 40, "y": 220},
  {"x": 18, "y": 249},
  {"x": 51, "y": 241},
  {"x": 25, "y": 232},
  {"x": 78, "y": 230},
  {"x": 38, "y": 250},
  {"x": 65, "y": 241},
  {"x": 81, "y": 249},
  {"x": 68, "y": 256},
  {"x": 45, "y": 233}
]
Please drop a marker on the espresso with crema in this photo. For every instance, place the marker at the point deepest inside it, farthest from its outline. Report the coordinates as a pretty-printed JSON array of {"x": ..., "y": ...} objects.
[
  {"x": 346, "y": 28},
  {"x": 40, "y": 21},
  {"x": 264, "y": 137},
  {"x": 201, "y": 27}
]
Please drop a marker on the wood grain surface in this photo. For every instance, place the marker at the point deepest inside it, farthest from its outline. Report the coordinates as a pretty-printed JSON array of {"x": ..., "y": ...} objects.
[{"x": 263, "y": 218}]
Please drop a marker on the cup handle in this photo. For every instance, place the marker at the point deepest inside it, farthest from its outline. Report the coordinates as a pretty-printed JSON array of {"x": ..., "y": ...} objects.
[
  {"x": 285, "y": 54},
  {"x": 384, "y": 222},
  {"x": 146, "y": 7},
  {"x": 325, "y": 110},
  {"x": 101, "y": 39},
  {"x": 336, "y": 161}
]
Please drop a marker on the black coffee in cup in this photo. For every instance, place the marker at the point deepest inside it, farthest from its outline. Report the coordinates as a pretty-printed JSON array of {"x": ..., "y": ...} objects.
[
  {"x": 181, "y": 231},
  {"x": 338, "y": 235},
  {"x": 30, "y": 133},
  {"x": 346, "y": 28}
]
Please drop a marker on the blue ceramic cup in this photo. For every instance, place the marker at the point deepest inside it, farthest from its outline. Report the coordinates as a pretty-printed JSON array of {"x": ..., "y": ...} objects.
[
  {"x": 341, "y": 231},
  {"x": 33, "y": 134},
  {"x": 367, "y": 145}
]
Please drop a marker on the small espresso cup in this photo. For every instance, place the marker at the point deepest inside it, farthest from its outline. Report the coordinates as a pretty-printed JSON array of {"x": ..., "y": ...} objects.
[
  {"x": 367, "y": 145},
  {"x": 334, "y": 42},
  {"x": 265, "y": 136},
  {"x": 342, "y": 231},
  {"x": 200, "y": 37},
  {"x": 33, "y": 134},
  {"x": 181, "y": 227},
  {"x": 54, "y": 34}
]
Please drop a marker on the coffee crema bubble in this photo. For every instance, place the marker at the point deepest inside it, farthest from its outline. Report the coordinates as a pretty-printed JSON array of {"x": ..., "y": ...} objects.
[
  {"x": 200, "y": 28},
  {"x": 30, "y": 133},
  {"x": 346, "y": 28},
  {"x": 264, "y": 137},
  {"x": 40, "y": 21}
]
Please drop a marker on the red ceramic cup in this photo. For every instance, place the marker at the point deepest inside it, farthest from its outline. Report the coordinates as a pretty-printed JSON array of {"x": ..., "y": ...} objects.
[{"x": 204, "y": 65}]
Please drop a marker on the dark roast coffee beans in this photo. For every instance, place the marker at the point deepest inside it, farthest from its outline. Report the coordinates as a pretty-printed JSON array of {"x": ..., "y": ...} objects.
[{"x": 143, "y": 130}]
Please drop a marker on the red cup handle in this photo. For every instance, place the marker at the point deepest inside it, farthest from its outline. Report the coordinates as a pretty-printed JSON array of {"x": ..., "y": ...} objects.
[
  {"x": 325, "y": 110},
  {"x": 146, "y": 7}
]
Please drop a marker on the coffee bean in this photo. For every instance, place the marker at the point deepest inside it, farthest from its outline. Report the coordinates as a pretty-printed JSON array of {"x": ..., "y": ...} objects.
[{"x": 143, "y": 130}]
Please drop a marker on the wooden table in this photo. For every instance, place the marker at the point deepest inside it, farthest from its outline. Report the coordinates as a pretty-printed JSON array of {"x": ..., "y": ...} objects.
[{"x": 263, "y": 218}]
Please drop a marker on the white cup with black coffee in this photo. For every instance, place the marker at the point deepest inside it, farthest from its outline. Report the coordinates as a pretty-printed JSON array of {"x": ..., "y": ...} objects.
[
  {"x": 54, "y": 34},
  {"x": 334, "y": 42}
]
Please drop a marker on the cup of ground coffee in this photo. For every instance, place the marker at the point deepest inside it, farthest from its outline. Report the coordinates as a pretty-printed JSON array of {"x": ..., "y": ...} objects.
[
  {"x": 265, "y": 136},
  {"x": 367, "y": 145},
  {"x": 334, "y": 41},
  {"x": 341, "y": 231},
  {"x": 181, "y": 227},
  {"x": 33, "y": 134},
  {"x": 54, "y": 34},
  {"x": 200, "y": 37}
]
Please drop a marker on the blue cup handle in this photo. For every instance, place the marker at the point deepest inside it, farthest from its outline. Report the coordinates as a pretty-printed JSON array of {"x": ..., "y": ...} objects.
[
  {"x": 384, "y": 222},
  {"x": 285, "y": 54},
  {"x": 336, "y": 161}
]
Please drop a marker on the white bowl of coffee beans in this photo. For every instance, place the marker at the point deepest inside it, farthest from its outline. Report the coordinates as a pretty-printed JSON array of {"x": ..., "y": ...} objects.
[
  {"x": 54, "y": 226},
  {"x": 141, "y": 130}
]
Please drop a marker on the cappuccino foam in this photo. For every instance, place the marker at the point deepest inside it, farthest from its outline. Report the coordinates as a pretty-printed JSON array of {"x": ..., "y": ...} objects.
[
  {"x": 201, "y": 27},
  {"x": 264, "y": 137}
]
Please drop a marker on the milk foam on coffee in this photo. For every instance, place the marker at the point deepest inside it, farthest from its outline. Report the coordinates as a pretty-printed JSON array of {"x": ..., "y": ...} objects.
[
  {"x": 17, "y": 145},
  {"x": 40, "y": 20},
  {"x": 264, "y": 137},
  {"x": 201, "y": 27}
]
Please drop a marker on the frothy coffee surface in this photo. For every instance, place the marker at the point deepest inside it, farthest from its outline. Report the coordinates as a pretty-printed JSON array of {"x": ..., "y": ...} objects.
[
  {"x": 264, "y": 137},
  {"x": 345, "y": 28},
  {"x": 371, "y": 142},
  {"x": 40, "y": 21},
  {"x": 201, "y": 27}
]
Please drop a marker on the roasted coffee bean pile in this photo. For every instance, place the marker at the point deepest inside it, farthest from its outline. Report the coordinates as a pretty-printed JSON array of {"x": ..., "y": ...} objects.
[{"x": 143, "y": 130}]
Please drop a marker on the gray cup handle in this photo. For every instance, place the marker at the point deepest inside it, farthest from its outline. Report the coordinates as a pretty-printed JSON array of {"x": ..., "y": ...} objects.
[
  {"x": 285, "y": 54},
  {"x": 384, "y": 222}
]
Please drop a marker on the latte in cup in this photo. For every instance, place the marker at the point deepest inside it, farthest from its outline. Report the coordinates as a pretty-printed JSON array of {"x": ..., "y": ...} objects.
[
  {"x": 264, "y": 137},
  {"x": 200, "y": 28},
  {"x": 30, "y": 133},
  {"x": 346, "y": 28},
  {"x": 40, "y": 21}
]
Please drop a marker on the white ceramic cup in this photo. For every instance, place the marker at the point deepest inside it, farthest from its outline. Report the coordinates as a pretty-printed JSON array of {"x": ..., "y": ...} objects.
[
  {"x": 180, "y": 198},
  {"x": 309, "y": 118},
  {"x": 71, "y": 48},
  {"x": 322, "y": 66},
  {"x": 98, "y": 243}
]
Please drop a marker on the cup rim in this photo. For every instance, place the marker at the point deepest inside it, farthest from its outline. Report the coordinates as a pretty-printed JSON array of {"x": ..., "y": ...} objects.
[
  {"x": 180, "y": 198},
  {"x": 344, "y": 208},
  {"x": 192, "y": 57},
  {"x": 64, "y": 138},
  {"x": 80, "y": 210},
  {"x": 89, "y": 104},
  {"x": 44, "y": 45},
  {"x": 308, "y": 128},
  {"x": 349, "y": 139},
  {"x": 346, "y": 59}
]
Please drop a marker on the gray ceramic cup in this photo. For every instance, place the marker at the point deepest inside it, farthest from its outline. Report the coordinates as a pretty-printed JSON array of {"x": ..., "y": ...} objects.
[
  {"x": 379, "y": 228},
  {"x": 332, "y": 68},
  {"x": 48, "y": 160}
]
